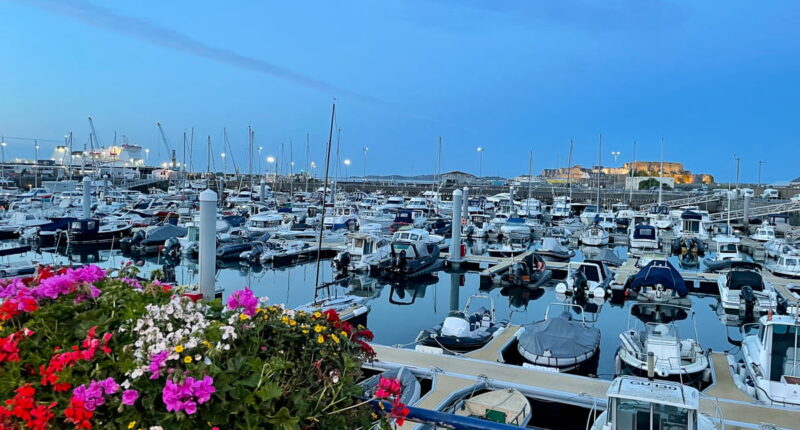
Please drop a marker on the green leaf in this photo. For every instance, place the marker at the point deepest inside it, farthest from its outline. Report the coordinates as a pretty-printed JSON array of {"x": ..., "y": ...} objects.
[
  {"x": 284, "y": 420},
  {"x": 268, "y": 391}
]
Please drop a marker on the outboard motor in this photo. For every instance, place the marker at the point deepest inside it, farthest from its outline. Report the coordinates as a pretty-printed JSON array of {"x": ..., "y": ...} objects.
[
  {"x": 401, "y": 262},
  {"x": 518, "y": 274},
  {"x": 580, "y": 285},
  {"x": 469, "y": 231},
  {"x": 749, "y": 298},
  {"x": 342, "y": 262},
  {"x": 172, "y": 247}
]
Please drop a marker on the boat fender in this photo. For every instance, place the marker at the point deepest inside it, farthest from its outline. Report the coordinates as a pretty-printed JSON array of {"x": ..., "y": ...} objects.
[
  {"x": 561, "y": 288},
  {"x": 599, "y": 292},
  {"x": 707, "y": 375}
]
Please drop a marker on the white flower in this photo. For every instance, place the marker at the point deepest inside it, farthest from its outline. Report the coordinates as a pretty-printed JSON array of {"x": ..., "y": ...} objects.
[{"x": 207, "y": 361}]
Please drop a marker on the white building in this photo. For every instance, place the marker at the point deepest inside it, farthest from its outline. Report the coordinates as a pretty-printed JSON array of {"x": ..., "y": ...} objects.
[
  {"x": 633, "y": 183},
  {"x": 457, "y": 178}
]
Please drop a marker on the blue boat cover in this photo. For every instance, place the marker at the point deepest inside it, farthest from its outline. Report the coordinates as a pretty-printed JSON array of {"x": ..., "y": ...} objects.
[{"x": 660, "y": 272}]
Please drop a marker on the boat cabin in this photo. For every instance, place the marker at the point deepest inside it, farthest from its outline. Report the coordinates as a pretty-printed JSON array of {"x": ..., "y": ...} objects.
[
  {"x": 85, "y": 226},
  {"x": 410, "y": 236},
  {"x": 638, "y": 403},
  {"x": 645, "y": 232},
  {"x": 691, "y": 222},
  {"x": 478, "y": 220},
  {"x": 366, "y": 244},
  {"x": 743, "y": 274},
  {"x": 727, "y": 248},
  {"x": 778, "y": 335}
]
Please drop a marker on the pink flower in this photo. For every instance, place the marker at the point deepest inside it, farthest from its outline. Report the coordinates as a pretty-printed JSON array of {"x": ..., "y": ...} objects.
[
  {"x": 244, "y": 299},
  {"x": 186, "y": 397},
  {"x": 157, "y": 362},
  {"x": 129, "y": 397}
]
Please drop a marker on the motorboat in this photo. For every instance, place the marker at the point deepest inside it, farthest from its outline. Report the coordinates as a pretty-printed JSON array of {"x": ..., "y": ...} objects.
[
  {"x": 659, "y": 282},
  {"x": 660, "y": 217},
  {"x": 590, "y": 215},
  {"x": 689, "y": 249},
  {"x": 510, "y": 247},
  {"x": 644, "y": 237},
  {"x": 515, "y": 228},
  {"x": 554, "y": 250},
  {"x": 411, "y": 388},
  {"x": 363, "y": 250},
  {"x": 770, "y": 368},
  {"x": 778, "y": 246},
  {"x": 743, "y": 288},
  {"x": 411, "y": 255},
  {"x": 264, "y": 222},
  {"x": 693, "y": 223},
  {"x": 764, "y": 233},
  {"x": 561, "y": 209},
  {"x": 505, "y": 406},
  {"x": 594, "y": 236},
  {"x": 90, "y": 231},
  {"x": 558, "y": 341},
  {"x": 153, "y": 239},
  {"x": 727, "y": 252},
  {"x": 350, "y": 308},
  {"x": 589, "y": 278},
  {"x": 480, "y": 226},
  {"x": 342, "y": 218},
  {"x": 640, "y": 403},
  {"x": 407, "y": 218},
  {"x": 658, "y": 347},
  {"x": 465, "y": 330},
  {"x": 288, "y": 252},
  {"x": 371, "y": 216},
  {"x": 787, "y": 266},
  {"x": 607, "y": 221}
]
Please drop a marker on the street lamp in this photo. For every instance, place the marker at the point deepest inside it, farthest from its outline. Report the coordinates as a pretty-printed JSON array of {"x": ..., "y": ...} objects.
[
  {"x": 480, "y": 150},
  {"x": 260, "y": 148},
  {"x": 314, "y": 170},
  {"x": 365, "y": 149},
  {"x": 3, "y": 145},
  {"x": 147, "y": 153},
  {"x": 346, "y": 169},
  {"x": 271, "y": 160},
  {"x": 760, "y": 162},
  {"x": 35, "y": 163},
  {"x": 615, "y": 154},
  {"x": 224, "y": 164}
]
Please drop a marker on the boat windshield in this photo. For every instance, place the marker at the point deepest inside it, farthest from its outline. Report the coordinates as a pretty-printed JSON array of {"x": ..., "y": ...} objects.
[
  {"x": 640, "y": 415},
  {"x": 785, "y": 353},
  {"x": 729, "y": 248}
]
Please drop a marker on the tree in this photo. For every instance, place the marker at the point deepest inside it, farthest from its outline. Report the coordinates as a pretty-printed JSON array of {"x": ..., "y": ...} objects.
[{"x": 652, "y": 183}]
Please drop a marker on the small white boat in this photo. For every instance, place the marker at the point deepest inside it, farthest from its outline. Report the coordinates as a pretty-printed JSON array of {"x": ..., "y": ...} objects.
[
  {"x": 590, "y": 278},
  {"x": 558, "y": 341},
  {"x": 515, "y": 228},
  {"x": 770, "y": 370},
  {"x": 644, "y": 237},
  {"x": 788, "y": 265},
  {"x": 594, "y": 236},
  {"x": 506, "y": 406},
  {"x": 743, "y": 288},
  {"x": 659, "y": 282},
  {"x": 509, "y": 248},
  {"x": 363, "y": 250},
  {"x": 639, "y": 403},
  {"x": 589, "y": 214},
  {"x": 727, "y": 252},
  {"x": 672, "y": 356},
  {"x": 764, "y": 233}
]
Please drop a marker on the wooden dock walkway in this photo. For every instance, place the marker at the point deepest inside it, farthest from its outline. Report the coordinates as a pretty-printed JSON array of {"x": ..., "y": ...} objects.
[{"x": 456, "y": 373}]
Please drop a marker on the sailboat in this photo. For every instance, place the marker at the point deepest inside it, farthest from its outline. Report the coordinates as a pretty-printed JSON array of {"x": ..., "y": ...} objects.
[{"x": 596, "y": 235}]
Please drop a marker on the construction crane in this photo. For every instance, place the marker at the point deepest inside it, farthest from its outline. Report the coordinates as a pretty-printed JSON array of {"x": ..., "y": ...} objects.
[{"x": 171, "y": 152}]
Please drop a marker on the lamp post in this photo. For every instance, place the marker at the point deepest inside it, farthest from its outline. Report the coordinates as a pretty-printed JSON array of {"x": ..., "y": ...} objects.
[
  {"x": 35, "y": 164},
  {"x": 615, "y": 154},
  {"x": 3, "y": 145},
  {"x": 760, "y": 162},
  {"x": 737, "y": 173},
  {"x": 346, "y": 169},
  {"x": 271, "y": 160},
  {"x": 224, "y": 164},
  {"x": 365, "y": 149},
  {"x": 480, "y": 150},
  {"x": 260, "y": 148},
  {"x": 313, "y": 170},
  {"x": 147, "y": 154}
]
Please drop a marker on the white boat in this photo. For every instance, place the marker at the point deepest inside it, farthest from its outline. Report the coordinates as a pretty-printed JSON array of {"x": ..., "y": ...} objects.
[
  {"x": 764, "y": 233},
  {"x": 480, "y": 226},
  {"x": 727, "y": 252},
  {"x": 362, "y": 251},
  {"x": 506, "y": 406},
  {"x": 589, "y": 213},
  {"x": 659, "y": 282},
  {"x": 660, "y": 217},
  {"x": 639, "y": 403},
  {"x": 743, "y": 288},
  {"x": 510, "y": 247},
  {"x": 594, "y": 236},
  {"x": 770, "y": 371},
  {"x": 788, "y": 265},
  {"x": 543, "y": 343},
  {"x": 515, "y": 228},
  {"x": 775, "y": 247},
  {"x": 590, "y": 278},
  {"x": 265, "y": 222},
  {"x": 693, "y": 224},
  {"x": 644, "y": 237},
  {"x": 562, "y": 208},
  {"x": 370, "y": 216},
  {"x": 672, "y": 356},
  {"x": 342, "y": 217}
]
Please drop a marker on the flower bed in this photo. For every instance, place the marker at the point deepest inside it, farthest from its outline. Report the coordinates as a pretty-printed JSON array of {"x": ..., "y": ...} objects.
[{"x": 82, "y": 348}]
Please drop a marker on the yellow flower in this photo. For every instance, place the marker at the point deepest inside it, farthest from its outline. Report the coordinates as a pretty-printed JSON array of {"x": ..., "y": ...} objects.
[
  {"x": 259, "y": 310},
  {"x": 317, "y": 314},
  {"x": 305, "y": 331},
  {"x": 318, "y": 328},
  {"x": 207, "y": 344},
  {"x": 243, "y": 317},
  {"x": 292, "y": 323},
  {"x": 179, "y": 349},
  {"x": 344, "y": 334},
  {"x": 374, "y": 415},
  {"x": 187, "y": 359},
  {"x": 132, "y": 424},
  {"x": 335, "y": 338},
  {"x": 320, "y": 339}
]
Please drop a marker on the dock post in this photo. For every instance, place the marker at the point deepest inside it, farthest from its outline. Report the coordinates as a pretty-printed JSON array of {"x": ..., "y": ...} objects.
[
  {"x": 465, "y": 205},
  {"x": 87, "y": 197},
  {"x": 455, "y": 242},
  {"x": 746, "y": 212},
  {"x": 208, "y": 245},
  {"x": 105, "y": 186},
  {"x": 263, "y": 190}
]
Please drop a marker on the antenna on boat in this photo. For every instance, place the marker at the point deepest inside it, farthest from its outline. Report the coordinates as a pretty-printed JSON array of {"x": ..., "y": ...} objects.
[
  {"x": 324, "y": 196},
  {"x": 661, "y": 172},
  {"x": 633, "y": 172},
  {"x": 569, "y": 171},
  {"x": 530, "y": 181},
  {"x": 599, "y": 169}
]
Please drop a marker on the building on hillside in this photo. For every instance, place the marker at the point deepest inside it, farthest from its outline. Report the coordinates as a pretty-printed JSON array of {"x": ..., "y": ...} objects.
[
  {"x": 634, "y": 182},
  {"x": 457, "y": 178}
]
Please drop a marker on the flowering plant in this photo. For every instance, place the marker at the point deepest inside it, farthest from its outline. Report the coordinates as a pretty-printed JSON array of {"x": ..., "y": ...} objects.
[{"x": 83, "y": 348}]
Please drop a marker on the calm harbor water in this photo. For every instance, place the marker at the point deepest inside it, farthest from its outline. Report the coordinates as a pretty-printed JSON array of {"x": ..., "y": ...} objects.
[{"x": 400, "y": 312}]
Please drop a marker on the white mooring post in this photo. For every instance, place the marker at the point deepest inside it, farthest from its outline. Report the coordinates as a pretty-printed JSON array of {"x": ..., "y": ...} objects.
[
  {"x": 263, "y": 191},
  {"x": 105, "y": 186},
  {"x": 208, "y": 242},
  {"x": 87, "y": 197},
  {"x": 455, "y": 244},
  {"x": 465, "y": 204}
]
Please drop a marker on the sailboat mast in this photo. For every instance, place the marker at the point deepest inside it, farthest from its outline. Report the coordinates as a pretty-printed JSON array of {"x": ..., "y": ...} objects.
[
  {"x": 324, "y": 195},
  {"x": 530, "y": 181},
  {"x": 633, "y": 170},
  {"x": 661, "y": 172},
  {"x": 569, "y": 171},
  {"x": 599, "y": 164},
  {"x": 308, "y": 157}
]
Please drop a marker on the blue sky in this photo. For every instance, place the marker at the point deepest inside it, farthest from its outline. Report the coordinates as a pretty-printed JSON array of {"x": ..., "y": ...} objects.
[{"x": 713, "y": 78}]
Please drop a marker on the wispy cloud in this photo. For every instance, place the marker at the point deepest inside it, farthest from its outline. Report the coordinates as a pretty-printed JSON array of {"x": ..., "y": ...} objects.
[{"x": 100, "y": 17}]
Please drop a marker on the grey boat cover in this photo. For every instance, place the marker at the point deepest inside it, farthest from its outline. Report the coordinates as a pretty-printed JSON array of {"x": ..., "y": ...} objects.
[
  {"x": 553, "y": 245},
  {"x": 609, "y": 257},
  {"x": 561, "y": 336},
  {"x": 164, "y": 232}
]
